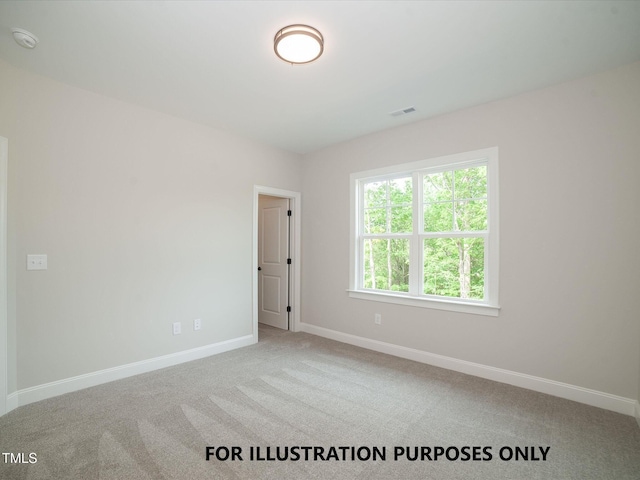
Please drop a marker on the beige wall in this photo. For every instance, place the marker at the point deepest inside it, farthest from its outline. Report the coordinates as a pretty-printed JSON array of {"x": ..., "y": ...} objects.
[
  {"x": 570, "y": 268},
  {"x": 146, "y": 220}
]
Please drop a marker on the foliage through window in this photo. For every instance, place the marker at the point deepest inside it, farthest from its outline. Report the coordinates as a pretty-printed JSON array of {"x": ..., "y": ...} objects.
[
  {"x": 430, "y": 231},
  {"x": 387, "y": 230}
]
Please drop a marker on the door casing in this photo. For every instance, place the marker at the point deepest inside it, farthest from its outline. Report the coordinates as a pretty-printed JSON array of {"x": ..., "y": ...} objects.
[
  {"x": 296, "y": 215},
  {"x": 4, "y": 347}
]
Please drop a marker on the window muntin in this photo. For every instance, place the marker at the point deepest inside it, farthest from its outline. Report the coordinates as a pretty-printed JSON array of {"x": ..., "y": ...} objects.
[
  {"x": 388, "y": 206},
  {"x": 429, "y": 231},
  {"x": 455, "y": 200}
]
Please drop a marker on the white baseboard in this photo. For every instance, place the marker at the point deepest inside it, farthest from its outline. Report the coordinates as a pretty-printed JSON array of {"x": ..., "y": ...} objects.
[
  {"x": 538, "y": 384},
  {"x": 67, "y": 385},
  {"x": 12, "y": 402}
]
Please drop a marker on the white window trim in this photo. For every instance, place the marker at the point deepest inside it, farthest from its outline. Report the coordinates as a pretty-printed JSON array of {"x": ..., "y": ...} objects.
[{"x": 490, "y": 306}]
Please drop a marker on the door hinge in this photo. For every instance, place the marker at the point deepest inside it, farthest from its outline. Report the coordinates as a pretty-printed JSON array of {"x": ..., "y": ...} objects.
[
  {"x": 288, "y": 309},
  {"x": 288, "y": 261},
  {"x": 288, "y": 213}
]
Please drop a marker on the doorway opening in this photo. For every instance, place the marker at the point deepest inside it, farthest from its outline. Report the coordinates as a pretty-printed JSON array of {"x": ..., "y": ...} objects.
[
  {"x": 276, "y": 258},
  {"x": 274, "y": 261}
]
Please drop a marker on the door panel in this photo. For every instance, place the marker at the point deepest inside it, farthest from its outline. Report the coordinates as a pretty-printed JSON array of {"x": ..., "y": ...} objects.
[
  {"x": 273, "y": 251},
  {"x": 271, "y": 241},
  {"x": 271, "y": 294}
]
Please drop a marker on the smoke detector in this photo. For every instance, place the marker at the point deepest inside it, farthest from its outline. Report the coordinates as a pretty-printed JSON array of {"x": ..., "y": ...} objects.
[{"x": 24, "y": 39}]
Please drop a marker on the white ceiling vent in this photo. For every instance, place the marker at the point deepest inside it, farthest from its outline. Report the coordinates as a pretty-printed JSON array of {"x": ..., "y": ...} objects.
[{"x": 402, "y": 111}]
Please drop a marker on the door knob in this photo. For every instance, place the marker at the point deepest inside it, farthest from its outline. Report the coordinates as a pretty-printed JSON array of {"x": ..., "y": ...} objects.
[{"x": 259, "y": 268}]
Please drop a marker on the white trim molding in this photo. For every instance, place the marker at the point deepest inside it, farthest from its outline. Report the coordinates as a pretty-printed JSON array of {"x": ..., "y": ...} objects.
[
  {"x": 5, "y": 405},
  {"x": 415, "y": 173},
  {"x": 439, "y": 304},
  {"x": 558, "y": 389},
  {"x": 296, "y": 235},
  {"x": 68, "y": 385}
]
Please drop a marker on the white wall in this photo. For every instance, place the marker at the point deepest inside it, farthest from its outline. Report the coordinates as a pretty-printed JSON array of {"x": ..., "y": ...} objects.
[
  {"x": 570, "y": 268},
  {"x": 146, "y": 220}
]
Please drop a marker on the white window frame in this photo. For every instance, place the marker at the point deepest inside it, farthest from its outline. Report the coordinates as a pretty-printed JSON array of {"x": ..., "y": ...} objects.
[{"x": 489, "y": 305}]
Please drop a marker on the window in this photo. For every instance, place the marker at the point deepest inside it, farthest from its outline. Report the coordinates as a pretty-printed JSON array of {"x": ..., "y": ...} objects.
[{"x": 426, "y": 233}]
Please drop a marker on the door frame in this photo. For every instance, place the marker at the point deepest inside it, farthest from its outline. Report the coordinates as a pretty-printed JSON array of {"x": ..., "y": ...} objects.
[
  {"x": 4, "y": 346},
  {"x": 294, "y": 243}
]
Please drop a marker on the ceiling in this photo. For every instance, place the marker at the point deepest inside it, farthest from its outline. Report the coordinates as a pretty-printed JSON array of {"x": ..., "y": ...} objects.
[{"x": 212, "y": 62}]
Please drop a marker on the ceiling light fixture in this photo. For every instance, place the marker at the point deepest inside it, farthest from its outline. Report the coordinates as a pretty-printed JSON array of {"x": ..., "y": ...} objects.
[
  {"x": 24, "y": 39},
  {"x": 297, "y": 44}
]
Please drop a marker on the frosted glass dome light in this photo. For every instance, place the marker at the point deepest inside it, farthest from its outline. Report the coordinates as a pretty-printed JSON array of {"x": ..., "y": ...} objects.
[{"x": 298, "y": 44}]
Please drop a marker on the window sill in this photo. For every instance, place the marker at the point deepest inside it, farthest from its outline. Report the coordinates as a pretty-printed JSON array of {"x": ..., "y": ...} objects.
[{"x": 438, "y": 304}]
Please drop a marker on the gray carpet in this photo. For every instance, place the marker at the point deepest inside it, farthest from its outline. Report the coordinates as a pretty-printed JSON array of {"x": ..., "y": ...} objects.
[{"x": 294, "y": 391}]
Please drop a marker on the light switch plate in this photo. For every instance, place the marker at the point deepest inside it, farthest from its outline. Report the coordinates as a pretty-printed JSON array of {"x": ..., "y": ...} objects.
[{"x": 36, "y": 262}]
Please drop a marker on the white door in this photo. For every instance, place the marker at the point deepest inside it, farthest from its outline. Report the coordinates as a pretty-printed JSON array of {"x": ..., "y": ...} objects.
[{"x": 273, "y": 265}]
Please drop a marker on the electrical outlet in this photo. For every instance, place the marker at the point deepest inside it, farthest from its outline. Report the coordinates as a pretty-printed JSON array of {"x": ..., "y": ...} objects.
[
  {"x": 36, "y": 262},
  {"x": 197, "y": 324},
  {"x": 377, "y": 319},
  {"x": 177, "y": 328}
]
